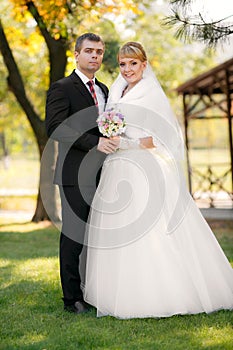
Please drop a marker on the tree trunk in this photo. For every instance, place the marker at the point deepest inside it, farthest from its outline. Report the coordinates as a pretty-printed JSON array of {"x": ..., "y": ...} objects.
[
  {"x": 58, "y": 59},
  {"x": 47, "y": 198},
  {"x": 47, "y": 208},
  {"x": 5, "y": 153}
]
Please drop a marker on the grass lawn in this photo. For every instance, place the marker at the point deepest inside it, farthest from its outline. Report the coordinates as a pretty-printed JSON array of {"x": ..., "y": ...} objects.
[{"x": 31, "y": 308}]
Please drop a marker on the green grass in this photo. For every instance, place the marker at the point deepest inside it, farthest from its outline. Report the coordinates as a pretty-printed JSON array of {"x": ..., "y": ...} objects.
[{"x": 31, "y": 308}]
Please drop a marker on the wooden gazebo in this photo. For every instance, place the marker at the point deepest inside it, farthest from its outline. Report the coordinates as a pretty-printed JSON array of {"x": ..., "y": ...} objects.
[{"x": 210, "y": 96}]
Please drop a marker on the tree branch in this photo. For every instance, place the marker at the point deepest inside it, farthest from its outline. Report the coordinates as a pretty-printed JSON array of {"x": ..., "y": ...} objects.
[
  {"x": 35, "y": 14},
  {"x": 15, "y": 82},
  {"x": 57, "y": 48}
]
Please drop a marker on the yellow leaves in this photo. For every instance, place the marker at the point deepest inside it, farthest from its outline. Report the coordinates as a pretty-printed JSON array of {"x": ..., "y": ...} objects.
[
  {"x": 58, "y": 3},
  {"x": 61, "y": 17},
  {"x": 124, "y": 6},
  {"x": 86, "y": 5},
  {"x": 155, "y": 62},
  {"x": 58, "y": 9},
  {"x": 52, "y": 11},
  {"x": 35, "y": 41},
  {"x": 19, "y": 10},
  {"x": 29, "y": 41},
  {"x": 56, "y": 36}
]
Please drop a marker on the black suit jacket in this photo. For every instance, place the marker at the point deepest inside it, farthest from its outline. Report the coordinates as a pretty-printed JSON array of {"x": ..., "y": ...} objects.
[{"x": 71, "y": 120}]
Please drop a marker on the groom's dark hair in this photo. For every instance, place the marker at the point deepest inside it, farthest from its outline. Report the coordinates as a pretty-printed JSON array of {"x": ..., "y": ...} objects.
[{"x": 87, "y": 36}]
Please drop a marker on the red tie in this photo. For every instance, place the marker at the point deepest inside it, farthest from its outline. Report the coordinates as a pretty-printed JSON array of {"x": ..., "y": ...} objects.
[{"x": 90, "y": 83}]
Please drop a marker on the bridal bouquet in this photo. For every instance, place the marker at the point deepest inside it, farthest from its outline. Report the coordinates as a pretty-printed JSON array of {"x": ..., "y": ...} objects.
[{"x": 111, "y": 123}]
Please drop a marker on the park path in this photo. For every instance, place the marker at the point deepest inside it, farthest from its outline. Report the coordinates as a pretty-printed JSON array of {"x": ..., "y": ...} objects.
[
  {"x": 218, "y": 214},
  {"x": 208, "y": 213}
]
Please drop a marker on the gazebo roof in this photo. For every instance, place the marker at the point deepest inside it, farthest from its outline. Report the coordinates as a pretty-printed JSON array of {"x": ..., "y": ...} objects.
[{"x": 213, "y": 81}]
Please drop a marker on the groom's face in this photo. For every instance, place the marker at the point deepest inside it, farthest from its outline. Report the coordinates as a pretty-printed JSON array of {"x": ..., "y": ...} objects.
[{"x": 90, "y": 57}]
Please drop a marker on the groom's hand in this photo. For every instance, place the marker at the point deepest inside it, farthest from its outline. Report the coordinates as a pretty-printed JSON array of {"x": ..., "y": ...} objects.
[
  {"x": 116, "y": 140},
  {"x": 108, "y": 146}
]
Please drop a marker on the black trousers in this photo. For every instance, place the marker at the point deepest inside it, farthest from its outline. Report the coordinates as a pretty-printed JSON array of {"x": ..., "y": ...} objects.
[{"x": 75, "y": 213}]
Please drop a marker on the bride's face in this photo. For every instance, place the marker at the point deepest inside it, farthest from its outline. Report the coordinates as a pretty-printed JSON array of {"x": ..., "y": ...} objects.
[{"x": 131, "y": 69}]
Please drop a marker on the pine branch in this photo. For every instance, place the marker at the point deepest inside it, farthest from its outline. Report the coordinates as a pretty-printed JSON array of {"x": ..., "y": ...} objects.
[
  {"x": 181, "y": 2},
  {"x": 195, "y": 28}
]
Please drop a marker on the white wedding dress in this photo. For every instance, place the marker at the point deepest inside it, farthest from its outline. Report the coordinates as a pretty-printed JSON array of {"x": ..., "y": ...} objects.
[{"x": 150, "y": 251}]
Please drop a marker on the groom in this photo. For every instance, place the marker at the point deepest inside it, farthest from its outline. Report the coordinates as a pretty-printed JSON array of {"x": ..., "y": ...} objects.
[{"x": 78, "y": 93}]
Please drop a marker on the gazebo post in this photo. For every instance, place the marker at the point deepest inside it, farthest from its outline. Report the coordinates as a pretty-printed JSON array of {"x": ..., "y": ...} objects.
[
  {"x": 187, "y": 142},
  {"x": 229, "y": 116}
]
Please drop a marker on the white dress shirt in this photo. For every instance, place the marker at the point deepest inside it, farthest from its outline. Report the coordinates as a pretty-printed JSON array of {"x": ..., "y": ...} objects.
[{"x": 99, "y": 93}]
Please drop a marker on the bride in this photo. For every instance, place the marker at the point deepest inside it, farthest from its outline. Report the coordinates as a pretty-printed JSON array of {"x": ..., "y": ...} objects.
[{"x": 150, "y": 251}]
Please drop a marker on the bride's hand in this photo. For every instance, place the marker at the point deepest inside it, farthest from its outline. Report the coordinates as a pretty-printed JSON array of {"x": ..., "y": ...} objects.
[
  {"x": 147, "y": 142},
  {"x": 107, "y": 145},
  {"x": 116, "y": 140}
]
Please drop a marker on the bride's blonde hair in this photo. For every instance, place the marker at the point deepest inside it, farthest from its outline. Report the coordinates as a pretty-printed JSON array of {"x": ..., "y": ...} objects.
[{"x": 132, "y": 49}]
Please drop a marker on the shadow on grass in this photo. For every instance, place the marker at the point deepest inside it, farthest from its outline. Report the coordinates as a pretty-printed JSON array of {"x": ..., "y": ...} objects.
[{"x": 34, "y": 243}]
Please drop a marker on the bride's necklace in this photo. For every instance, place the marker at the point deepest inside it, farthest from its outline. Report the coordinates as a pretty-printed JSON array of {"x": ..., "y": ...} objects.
[{"x": 126, "y": 89}]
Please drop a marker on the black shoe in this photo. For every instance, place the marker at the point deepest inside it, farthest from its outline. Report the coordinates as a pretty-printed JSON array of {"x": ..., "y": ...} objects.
[{"x": 80, "y": 307}]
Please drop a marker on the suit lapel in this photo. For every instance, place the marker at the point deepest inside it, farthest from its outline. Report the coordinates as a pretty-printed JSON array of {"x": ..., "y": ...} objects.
[
  {"x": 103, "y": 88},
  {"x": 82, "y": 88}
]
